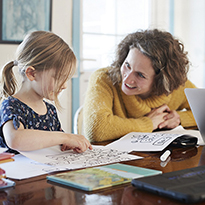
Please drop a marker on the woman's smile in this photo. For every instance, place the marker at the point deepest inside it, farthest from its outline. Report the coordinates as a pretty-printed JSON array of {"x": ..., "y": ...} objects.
[{"x": 130, "y": 86}]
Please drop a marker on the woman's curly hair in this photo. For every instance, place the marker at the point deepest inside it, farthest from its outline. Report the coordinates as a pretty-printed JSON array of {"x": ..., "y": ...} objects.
[{"x": 166, "y": 53}]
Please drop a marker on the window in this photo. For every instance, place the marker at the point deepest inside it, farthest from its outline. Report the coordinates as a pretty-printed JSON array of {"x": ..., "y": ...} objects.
[{"x": 104, "y": 24}]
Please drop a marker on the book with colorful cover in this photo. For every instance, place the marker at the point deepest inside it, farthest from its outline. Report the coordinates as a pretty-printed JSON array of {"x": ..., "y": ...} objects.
[{"x": 90, "y": 179}]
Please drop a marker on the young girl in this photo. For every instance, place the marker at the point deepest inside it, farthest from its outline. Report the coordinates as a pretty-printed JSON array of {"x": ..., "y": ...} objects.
[{"x": 45, "y": 63}]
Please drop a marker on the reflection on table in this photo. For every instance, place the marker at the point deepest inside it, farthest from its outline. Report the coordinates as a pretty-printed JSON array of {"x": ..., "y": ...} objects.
[{"x": 38, "y": 191}]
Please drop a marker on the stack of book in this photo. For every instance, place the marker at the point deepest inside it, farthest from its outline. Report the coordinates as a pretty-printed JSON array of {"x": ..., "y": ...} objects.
[
  {"x": 6, "y": 157},
  {"x": 4, "y": 182}
]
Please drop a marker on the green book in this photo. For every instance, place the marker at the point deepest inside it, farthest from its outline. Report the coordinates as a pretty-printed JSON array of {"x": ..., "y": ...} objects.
[{"x": 95, "y": 178}]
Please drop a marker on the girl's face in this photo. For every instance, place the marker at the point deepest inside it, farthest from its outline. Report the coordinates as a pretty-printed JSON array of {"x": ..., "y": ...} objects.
[
  {"x": 137, "y": 74},
  {"x": 48, "y": 84}
]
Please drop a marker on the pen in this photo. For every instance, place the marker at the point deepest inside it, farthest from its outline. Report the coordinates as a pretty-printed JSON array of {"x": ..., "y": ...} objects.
[
  {"x": 164, "y": 164},
  {"x": 165, "y": 155}
]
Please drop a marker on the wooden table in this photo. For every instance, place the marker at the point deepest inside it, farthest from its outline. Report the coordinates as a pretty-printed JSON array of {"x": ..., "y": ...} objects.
[{"x": 38, "y": 191}]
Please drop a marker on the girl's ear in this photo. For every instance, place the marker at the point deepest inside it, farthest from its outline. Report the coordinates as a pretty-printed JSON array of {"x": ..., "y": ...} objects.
[{"x": 30, "y": 73}]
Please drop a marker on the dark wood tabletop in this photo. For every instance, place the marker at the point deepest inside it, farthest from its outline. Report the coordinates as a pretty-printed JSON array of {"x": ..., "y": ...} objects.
[{"x": 38, "y": 191}]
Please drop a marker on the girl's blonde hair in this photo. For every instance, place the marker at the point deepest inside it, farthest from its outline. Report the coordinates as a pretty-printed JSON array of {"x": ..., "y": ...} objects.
[{"x": 44, "y": 51}]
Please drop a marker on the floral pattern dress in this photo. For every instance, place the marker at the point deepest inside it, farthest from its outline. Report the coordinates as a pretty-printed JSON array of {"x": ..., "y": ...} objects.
[{"x": 17, "y": 111}]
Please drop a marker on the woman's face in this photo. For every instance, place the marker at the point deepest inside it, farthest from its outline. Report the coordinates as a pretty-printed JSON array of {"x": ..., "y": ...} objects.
[{"x": 137, "y": 74}]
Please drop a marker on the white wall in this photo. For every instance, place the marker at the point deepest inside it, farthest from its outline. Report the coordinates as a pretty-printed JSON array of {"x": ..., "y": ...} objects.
[
  {"x": 190, "y": 28},
  {"x": 62, "y": 26}
]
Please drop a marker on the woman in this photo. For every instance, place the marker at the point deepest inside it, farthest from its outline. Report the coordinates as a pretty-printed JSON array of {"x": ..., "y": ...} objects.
[{"x": 142, "y": 91}]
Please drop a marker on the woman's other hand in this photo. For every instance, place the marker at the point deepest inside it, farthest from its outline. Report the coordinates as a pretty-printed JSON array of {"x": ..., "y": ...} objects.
[
  {"x": 157, "y": 116},
  {"x": 171, "y": 120}
]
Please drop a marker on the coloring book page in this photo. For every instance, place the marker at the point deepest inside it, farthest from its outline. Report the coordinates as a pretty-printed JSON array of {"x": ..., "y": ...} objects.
[
  {"x": 67, "y": 160},
  {"x": 155, "y": 141},
  {"x": 136, "y": 141}
]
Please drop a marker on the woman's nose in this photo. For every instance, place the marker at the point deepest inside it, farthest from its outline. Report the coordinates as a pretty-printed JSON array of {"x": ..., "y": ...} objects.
[{"x": 128, "y": 78}]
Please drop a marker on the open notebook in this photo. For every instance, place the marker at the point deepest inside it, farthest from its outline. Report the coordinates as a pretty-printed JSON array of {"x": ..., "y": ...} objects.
[{"x": 196, "y": 99}]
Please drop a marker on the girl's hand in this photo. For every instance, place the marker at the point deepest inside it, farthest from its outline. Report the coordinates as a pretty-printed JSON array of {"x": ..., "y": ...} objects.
[
  {"x": 157, "y": 116},
  {"x": 78, "y": 143},
  {"x": 171, "y": 120}
]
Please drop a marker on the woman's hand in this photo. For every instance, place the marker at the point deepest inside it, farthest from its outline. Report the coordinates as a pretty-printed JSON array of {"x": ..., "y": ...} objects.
[
  {"x": 171, "y": 120},
  {"x": 157, "y": 115},
  {"x": 163, "y": 117},
  {"x": 78, "y": 143}
]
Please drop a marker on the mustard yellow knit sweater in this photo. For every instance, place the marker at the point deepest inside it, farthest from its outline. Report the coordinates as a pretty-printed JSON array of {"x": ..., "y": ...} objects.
[{"x": 109, "y": 113}]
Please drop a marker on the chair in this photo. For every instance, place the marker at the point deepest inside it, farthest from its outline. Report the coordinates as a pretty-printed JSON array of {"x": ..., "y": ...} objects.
[{"x": 78, "y": 121}]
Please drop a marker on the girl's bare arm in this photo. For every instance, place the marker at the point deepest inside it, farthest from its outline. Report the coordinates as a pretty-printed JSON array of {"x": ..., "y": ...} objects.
[{"x": 28, "y": 139}]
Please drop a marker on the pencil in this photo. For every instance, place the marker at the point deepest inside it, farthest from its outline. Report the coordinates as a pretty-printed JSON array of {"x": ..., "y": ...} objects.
[{"x": 6, "y": 160}]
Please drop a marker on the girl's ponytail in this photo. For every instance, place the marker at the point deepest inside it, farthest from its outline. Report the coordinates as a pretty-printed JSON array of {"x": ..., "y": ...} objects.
[{"x": 8, "y": 80}]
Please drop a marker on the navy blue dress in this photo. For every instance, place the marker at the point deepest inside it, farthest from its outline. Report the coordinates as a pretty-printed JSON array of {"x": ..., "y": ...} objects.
[{"x": 17, "y": 111}]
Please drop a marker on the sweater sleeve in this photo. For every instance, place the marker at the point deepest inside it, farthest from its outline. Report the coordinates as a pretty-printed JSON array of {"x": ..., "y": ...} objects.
[
  {"x": 186, "y": 116},
  {"x": 100, "y": 124}
]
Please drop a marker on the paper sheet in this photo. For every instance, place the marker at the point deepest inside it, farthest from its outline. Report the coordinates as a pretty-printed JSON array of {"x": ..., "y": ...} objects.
[
  {"x": 3, "y": 149},
  {"x": 68, "y": 160},
  {"x": 23, "y": 168},
  {"x": 44, "y": 161},
  {"x": 155, "y": 141}
]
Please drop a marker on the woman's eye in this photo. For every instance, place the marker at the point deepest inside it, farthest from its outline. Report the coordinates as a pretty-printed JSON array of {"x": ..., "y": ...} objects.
[
  {"x": 140, "y": 75},
  {"x": 127, "y": 65}
]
